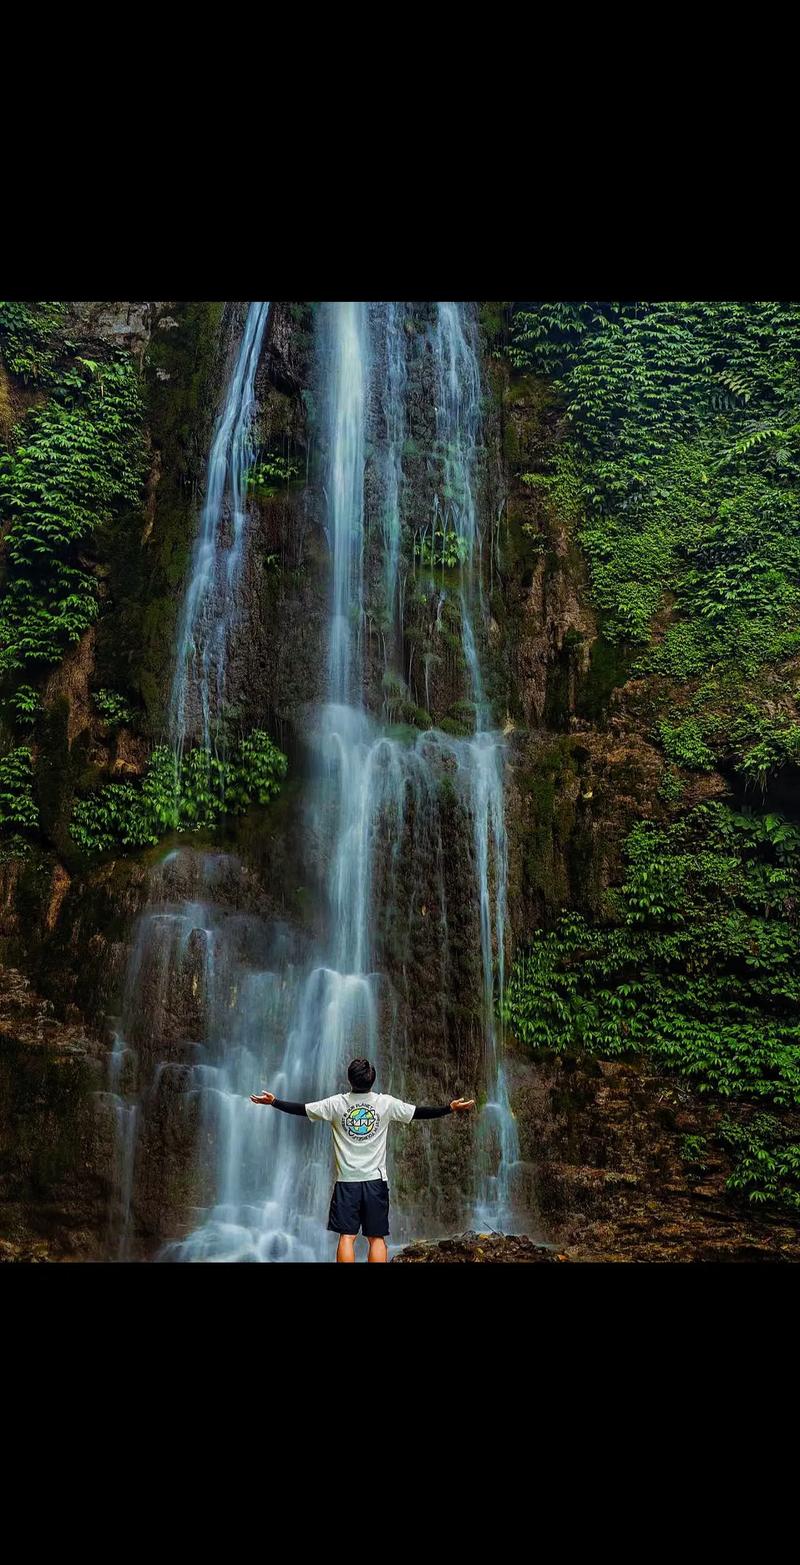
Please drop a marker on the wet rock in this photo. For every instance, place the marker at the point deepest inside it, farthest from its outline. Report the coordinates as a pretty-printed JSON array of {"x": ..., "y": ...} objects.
[
  {"x": 612, "y": 1183},
  {"x": 477, "y": 1248},
  {"x": 55, "y": 1159}
]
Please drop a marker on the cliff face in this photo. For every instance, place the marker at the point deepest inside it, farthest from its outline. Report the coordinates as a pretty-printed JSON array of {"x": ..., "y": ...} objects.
[{"x": 605, "y": 1171}]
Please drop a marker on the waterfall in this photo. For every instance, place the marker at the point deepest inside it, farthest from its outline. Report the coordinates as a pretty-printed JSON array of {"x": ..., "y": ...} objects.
[
  {"x": 392, "y": 403},
  {"x": 210, "y": 605},
  {"x": 346, "y": 415},
  {"x": 458, "y": 419},
  {"x": 238, "y": 1002},
  {"x": 206, "y": 626}
]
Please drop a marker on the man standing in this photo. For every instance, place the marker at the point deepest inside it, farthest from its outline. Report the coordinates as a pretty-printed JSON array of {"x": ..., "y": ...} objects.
[{"x": 360, "y": 1121}]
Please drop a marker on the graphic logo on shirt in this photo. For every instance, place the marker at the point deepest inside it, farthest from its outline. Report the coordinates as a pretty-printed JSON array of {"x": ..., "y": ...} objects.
[{"x": 361, "y": 1122}]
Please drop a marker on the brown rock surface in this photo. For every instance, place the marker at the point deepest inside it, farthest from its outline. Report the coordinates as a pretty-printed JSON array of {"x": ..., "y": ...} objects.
[{"x": 472, "y": 1248}]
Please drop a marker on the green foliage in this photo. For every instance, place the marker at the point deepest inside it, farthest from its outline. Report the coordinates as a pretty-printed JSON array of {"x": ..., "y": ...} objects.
[
  {"x": 563, "y": 484},
  {"x": 28, "y": 341},
  {"x": 197, "y": 793},
  {"x": 763, "y": 745},
  {"x": 684, "y": 744},
  {"x": 113, "y": 708},
  {"x": 544, "y": 338},
  {"x": 17, "y": 804},
  {"x": 24, "y": 702},
  {"x": 686, "y": 423},
  {"x": 445, "y": 548},
  {"x": 699, "y": 967},
  {"x": 671, "y": 786},
  {"x": 272, "y": 473},
  {"x": 693, "y": 1152},
  {"x": 78, "y": 460},
  {"x": 767, "y": 1154}
]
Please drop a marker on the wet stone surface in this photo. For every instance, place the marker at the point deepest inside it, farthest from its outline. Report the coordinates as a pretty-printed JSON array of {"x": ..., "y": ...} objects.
[{"x": 478, "y": 1247}]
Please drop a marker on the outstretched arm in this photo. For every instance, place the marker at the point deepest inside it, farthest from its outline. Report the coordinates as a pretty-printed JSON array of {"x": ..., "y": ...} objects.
[
  {"x": 279, "y": 1103},
  {"x": 456, "y": 1107}
]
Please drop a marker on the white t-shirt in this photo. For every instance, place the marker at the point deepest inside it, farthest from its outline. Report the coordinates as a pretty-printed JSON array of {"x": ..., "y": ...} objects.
[{"x": 360, "y": 1122}]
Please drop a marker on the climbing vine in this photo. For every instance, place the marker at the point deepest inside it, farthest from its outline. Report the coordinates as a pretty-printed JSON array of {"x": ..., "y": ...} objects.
[
  {"x": 29, "y": 337},
  {"x": 444, "y": 548},
  {"x": 274, "y": 473},
  {"x": 196, "y": 793},
  {"x": 113, "y": 708},
  {"x": 685, "y": 420},
  {"x": 74, "y": 463},
  {"x": 17, "y": 804}
]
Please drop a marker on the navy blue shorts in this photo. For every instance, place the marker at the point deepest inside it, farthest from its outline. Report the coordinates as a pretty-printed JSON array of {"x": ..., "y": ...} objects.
[{"x": 360, "y": 1204}]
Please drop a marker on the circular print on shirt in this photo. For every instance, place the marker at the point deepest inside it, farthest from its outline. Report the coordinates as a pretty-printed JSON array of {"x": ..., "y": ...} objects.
[{"x": 361, "y": 1122}]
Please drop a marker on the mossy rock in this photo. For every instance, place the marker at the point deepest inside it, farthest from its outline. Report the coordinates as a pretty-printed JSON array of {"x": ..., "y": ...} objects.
[{"x": 609, "y": 669}]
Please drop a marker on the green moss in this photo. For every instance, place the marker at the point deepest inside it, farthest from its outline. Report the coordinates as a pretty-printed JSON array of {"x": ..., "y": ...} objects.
[
  {"x": 493, "y": 317},
  {"x": 533, "y": 393},
  {"x": 415, "y": 715},
  {"x": 548, "y": 820},
  {"x": 609, "y": 665},
  {"x": 56, "y": 771},
  {"x": 46, "y": 1117},
  {"x": 458, "y": 729}
]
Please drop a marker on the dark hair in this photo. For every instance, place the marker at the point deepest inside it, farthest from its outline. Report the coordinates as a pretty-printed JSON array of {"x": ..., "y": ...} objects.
[{"x": 360, "y": 1075}]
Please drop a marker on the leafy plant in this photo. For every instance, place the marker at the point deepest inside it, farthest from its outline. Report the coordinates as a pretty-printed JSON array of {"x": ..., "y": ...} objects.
[
  {"x": 684, "y": 744},
  {"x": 763, "y": 745},
  {"x": 24, "y": 702},
  {"x": 671, "y": 786},
  {"x": 113, "y": 708},
  {"x": 693, "y": 1152},
  {"x": 28, "y": 337},
  {"x": 17, "y": 804},
  {"x": 444, "y": 548},
  {"x": 767, "y": 1153},
  {"x": 272, "y": 473},
  {"x": 77, "y": 461},
  {"x": 685, "y": 425},
  {"x": 197, "y": 793}
]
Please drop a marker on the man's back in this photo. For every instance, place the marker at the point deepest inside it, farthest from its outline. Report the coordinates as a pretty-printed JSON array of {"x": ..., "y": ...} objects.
[
  {"x": 360, "y": 1120},
  {"x": 360, "y": 1123}
]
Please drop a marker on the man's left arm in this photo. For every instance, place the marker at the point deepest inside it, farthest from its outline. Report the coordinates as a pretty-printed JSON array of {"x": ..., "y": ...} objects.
[{"x": 406, "y": 1112}]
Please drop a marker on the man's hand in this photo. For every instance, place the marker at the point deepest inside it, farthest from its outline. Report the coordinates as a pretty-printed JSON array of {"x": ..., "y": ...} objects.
[
  {"x": 460, "y": 1104},
  {"x": 265, "y": 1097}
]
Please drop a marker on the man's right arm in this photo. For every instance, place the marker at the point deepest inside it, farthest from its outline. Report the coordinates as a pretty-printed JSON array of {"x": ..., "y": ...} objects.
[
  {"x": 325, "y": 1108},
  {"x": 279, "y": 1103}
]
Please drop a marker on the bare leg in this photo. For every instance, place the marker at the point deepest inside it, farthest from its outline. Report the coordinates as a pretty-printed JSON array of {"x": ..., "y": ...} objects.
[
  {"x": 346, "y": 1249},
  {"x": 377, "y": 1249}
]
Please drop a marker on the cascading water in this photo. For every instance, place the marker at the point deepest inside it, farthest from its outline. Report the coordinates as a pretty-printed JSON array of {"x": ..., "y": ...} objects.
[
  {"x": 210, "y": 606},
  {"x": 167, "y": 936},
  {"x": 329, "y": 1006},
  {"x": 242, "y": 1002},
  {"x": 392, "y": 401},
  {"x": 457, "y": 427}
]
